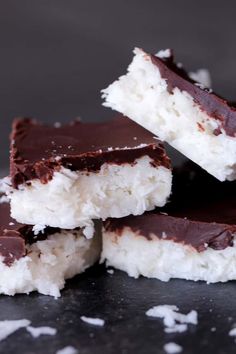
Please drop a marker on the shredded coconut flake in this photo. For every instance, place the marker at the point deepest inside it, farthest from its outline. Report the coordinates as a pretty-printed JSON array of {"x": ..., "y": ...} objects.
[
  {"x": 163, "y": 235},
  {"x": 164, "y": 53},
  {"x": 172, "y": 319},
  {"x": 38, "y": 228},
  {"x": 202, "y": 76},
  {"x": 232, "y": 332},
  {"x": 110, "y": 271},
  {"x": 5, "y": 184},
  {"x": 176, "y": 328},
  {"x": 93, "y": 321},
  {"x": 88, "y": 231},
  {"x": 172, "y": 348},
  {"x": 57, "y": 158},
  {"x": 67, "y": 350},
  {"x": 4, "y": 188},
  {"x": 4, "y": 199},
  {"x": 140, "y": 146},
  {"x": 38, "y": 331},
  {"x": 9, "y": 327}
]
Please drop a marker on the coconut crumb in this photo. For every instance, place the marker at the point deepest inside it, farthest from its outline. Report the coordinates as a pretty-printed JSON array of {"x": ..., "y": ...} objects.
[
  {"x": 163, "y": 235},
  {"x": 57, "y": 158},
  {"x": 88, "y": 231},
  {"x": 9, "y": 327},
  {"x": 110, "y": 271},
  {"x": 177, "y": 328},
  {"x": 163, "y": 54},
  {"x": 4, "y": 199},
  {"x": 38, "y": 331},
  {"x": 201, "y": 76},
  {"x": 232, "y": 332},
  {"x": 93, "y": 321},
  {"x": 140, "y": 146},
  {"x": 67, "y": 350},
  {"x": 172, "y": 348},
  {"x": 172, "y": 319},
  {"x": 5, "y": 184},
  {"x": 38, "y": 229}
]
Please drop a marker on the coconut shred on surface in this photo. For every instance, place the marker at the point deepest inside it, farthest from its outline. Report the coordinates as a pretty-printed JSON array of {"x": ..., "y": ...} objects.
[
  {"x": 68, "y": 350},
  {"x": 232, "y": 332},
  {"x": 9, "y": 327},
  {"x": 173, "y": 320},
  {"x": 38, "y": 331},
  {"x": 93, "y": 321},
  {"x": 172, "y": 348}
]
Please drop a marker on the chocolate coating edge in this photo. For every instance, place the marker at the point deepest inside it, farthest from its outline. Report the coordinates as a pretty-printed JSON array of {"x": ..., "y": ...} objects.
[
  {"x": 197, "y": 234},
  {"x": 214, "y": 105},
  {"x": 24, "y": 170},
  {"x": 14, "y": 236}
]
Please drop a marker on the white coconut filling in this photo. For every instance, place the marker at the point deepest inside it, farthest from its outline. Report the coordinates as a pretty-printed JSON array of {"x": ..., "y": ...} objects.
[
  {"x": 73, "y": 199},
  {"x": 48, "y": 263},
  {"x": 165, "y": 259},
  {"x": 142, "y": 95}
]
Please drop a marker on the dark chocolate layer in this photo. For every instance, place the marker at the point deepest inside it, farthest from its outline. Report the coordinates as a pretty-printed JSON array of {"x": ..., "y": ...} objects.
[
  {"x": 202, "y": 213},
  {"x": 199, "y": 235},
  {"x": 38, "y": 150},
  {"x": 214, "y": 105},
  {"x": 15, "y": 236}
]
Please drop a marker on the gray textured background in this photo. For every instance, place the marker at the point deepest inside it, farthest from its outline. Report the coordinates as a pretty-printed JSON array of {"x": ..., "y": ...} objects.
[{"x": 55, "y": 56}]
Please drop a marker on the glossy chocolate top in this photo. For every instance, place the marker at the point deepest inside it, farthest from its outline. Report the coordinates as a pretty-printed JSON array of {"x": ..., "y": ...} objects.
[
  {"x": 214, "y": 105},
  {"x": 38, "y": 150},
  {"x": 15, "y": 236}
]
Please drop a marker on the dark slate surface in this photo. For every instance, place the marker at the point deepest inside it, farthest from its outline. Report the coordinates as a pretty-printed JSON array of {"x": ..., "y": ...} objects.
[{"x": 122, "y": 302}]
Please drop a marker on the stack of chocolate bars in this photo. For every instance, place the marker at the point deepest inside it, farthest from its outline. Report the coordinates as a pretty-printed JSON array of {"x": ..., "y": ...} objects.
[{"x": 82, "y": 192}]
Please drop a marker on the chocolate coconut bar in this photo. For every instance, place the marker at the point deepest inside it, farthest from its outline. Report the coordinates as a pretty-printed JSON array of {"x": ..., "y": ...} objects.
[
  {"x": 41, "y": 260},
  {"x": 192, "y": 238},
  {"x": 160, "y": 95},
  {"x": 68, "y": 175}
]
